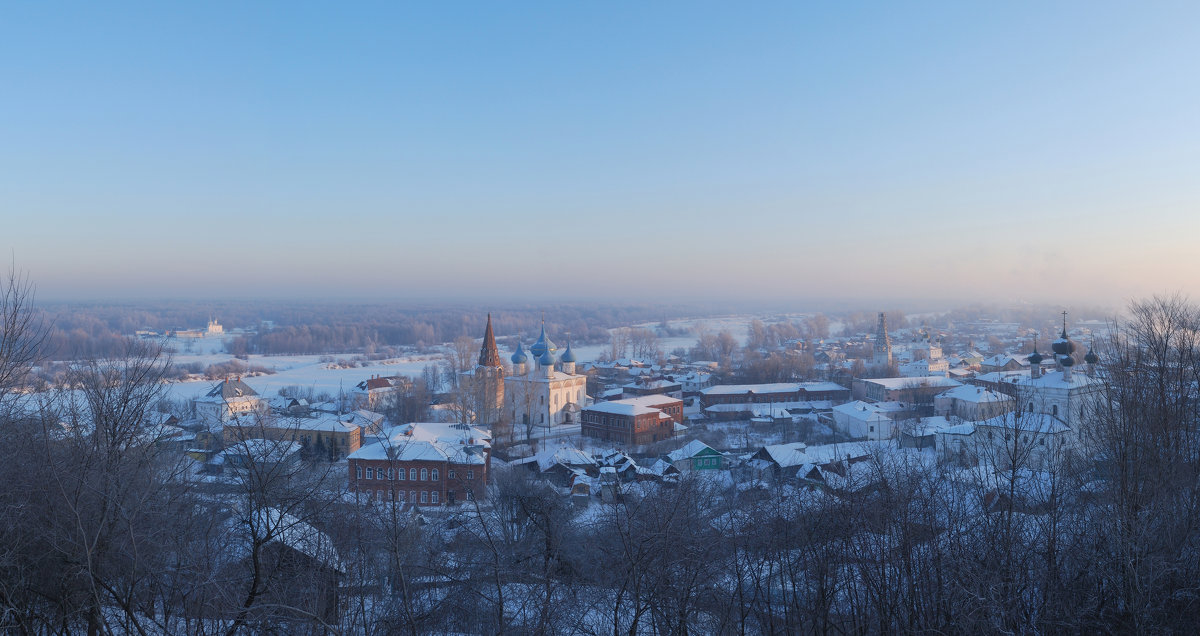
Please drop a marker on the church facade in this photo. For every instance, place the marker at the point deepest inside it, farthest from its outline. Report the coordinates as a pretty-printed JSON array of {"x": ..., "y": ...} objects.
[{"x": 543, "y": 391}]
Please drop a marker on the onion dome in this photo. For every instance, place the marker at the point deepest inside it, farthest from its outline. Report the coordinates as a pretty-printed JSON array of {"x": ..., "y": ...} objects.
[
  {"x": 1091, "y": 357},
  {"x": 547, "y": 359},
  {"x": 568, "y": 355},
  {"x": 519, "y": 356},
  {"x": 1067, "y": 361},
  {"x": 1063, "y": 346},
  {"x": 1035, "y": 357},
  {"x": 543, "y": 344}
]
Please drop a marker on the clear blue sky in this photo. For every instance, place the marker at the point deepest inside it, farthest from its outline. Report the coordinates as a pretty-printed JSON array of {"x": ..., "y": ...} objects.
[{"x": 726, "y": 150}]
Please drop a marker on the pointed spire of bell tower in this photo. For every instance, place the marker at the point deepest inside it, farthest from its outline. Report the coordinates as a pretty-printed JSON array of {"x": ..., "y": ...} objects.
[{"x": 488, "y": 355}]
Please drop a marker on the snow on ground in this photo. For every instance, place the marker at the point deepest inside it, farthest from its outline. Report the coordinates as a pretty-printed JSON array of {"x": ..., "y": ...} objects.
[{"x": 301, "y": 370}]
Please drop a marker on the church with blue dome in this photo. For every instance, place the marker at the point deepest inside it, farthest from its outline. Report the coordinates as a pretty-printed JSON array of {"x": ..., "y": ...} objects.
[{"x": 543, "y": 394}]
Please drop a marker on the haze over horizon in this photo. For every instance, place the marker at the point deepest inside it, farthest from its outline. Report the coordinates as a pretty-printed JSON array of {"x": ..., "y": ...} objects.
[{"x": 666, "y": 151}]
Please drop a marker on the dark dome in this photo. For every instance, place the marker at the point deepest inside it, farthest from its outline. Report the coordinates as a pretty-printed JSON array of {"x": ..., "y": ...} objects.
[
  {"x": 1067, "y": 361},
  {"x": 1063, "y": 346},
  {"x": 1035, "y": 357},
  {"x": 1091, "y": 357}
]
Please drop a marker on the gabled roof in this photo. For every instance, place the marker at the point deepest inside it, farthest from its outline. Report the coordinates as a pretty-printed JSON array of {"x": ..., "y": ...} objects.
[
  {"x": 231, "y": 389},
  {"x": 566, "y": 455},
  {"x": 692, "y": 449},
  {"x": 787, "y": 455}
]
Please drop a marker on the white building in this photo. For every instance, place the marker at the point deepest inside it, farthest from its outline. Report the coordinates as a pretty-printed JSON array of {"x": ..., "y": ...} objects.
[
  {"x": 969, "y": 402},
  {"x": 546, "y": 393},
  {"x": 863, "y": 420},
  {"x": 1028, "y": 440},
  {"x": 226, "y": 400}
]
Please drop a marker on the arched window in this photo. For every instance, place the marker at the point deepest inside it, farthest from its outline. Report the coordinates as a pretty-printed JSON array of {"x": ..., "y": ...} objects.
[
  {"x": 434, "y": 474},
  {"x": 424, "y": 474},
  {"x": 370, "y": 473},
  {"x": 433, "y": 497},
  {"x": 412, "y": 474},
  {"x": 358, "y": 472},
  {"x": 424, "y": 497},
  {"x": 391, "y": 474}
]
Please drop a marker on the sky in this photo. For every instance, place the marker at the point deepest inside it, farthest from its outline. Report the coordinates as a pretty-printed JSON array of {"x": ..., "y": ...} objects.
[{"x": 567, "y": 150}]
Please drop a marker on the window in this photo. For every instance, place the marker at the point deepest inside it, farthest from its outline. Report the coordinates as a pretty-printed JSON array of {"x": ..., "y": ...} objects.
[
  {"x": 872, "y": 429},
  {"x": 412, "y": 496},
  {"x": 1054, "y": 410},
  {"x": 370, "y": 473},
  {"x": 424, "y": 497},
  {"x": 433, "y": 497},
  {"x": 379, "y": 495},
  {"x": 470, "y": 495},
  {"x": 391, "y": 474},
  {"x": 412, "y": 474},
  {"x": 424, "y": 474},
  {"x": 450, "y": 474},
  {"x": 470, "y": 474},
  {"x": 358, "y": 472},
  {"x": 401, "y": 494},
  {"x": 434, "y": 474}
]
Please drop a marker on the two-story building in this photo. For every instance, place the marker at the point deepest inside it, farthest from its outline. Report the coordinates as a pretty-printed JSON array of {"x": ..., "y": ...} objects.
[
  {"x": 426, "y": 464},
  {"x": 633, "y": 421}
]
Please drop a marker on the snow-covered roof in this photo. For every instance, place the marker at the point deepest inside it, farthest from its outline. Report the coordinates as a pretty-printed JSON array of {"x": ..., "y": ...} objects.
[
  {"x": 733, "y": 389},
  {"x": 975, "y": 394},
  {"x": 1004, "y": 358},
  {"x": 829, "y": 453},
  {"x": 916, "y": 382},
  {"x": 927, "y": 426},
  {"x": 264, "y": 449},
  {"x": 652, "y": 384},
  {"x": 860, "y": 410},
  {"x": 1054, "y": 380},
  {"x": 228, "y": 391},
  {"x": 562, "y": 454},
  {"x": 689, "y": 450},
  {"x": 787, "y": 455},
  {"x": 1026, "y": 422},
  {"x": 429, "y": 441},
  {"x": 619, "y": 407}
]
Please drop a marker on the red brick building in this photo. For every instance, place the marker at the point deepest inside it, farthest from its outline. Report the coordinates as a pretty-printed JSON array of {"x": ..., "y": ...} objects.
[
  {"x": 633, "y": 421},
  {"x": 423, "y": 464}
]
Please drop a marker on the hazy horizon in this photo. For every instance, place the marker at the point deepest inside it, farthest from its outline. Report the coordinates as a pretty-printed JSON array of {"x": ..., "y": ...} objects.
[{"x": 665, "y": 152}]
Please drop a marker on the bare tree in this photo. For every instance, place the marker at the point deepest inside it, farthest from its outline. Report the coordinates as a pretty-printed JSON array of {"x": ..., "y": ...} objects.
[{"x": 22, "y": 335}]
